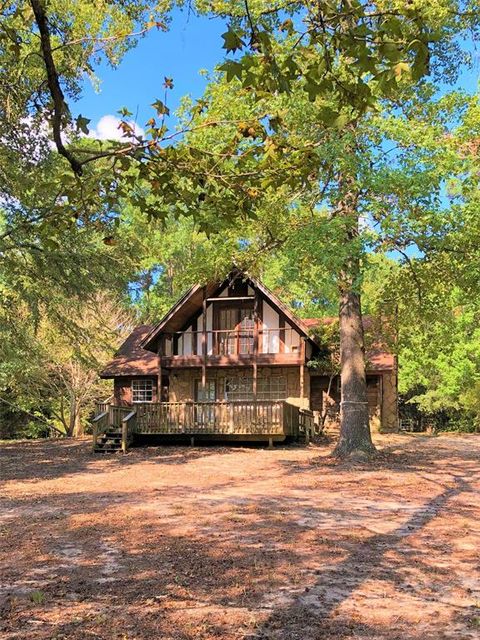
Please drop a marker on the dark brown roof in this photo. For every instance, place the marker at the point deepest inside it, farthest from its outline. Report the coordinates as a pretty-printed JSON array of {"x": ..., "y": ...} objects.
[
  {"x": 131, "y": 359},
  {"x": 380, "y": 361},
  {"x": 378, "y": 358}
]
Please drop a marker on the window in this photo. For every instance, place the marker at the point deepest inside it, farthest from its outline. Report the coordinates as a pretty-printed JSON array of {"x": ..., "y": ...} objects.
[
  {"x": 235, "y": 329},
  {"x": 142, "y": 390},
  {"x": 274, "y": 388},
  {"x": 241, "y": 388},
  {"x": 207, "y": 393}
]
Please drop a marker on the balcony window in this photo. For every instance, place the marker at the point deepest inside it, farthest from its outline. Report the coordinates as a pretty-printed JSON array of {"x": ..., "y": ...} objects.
[
  {"x": 142, "y": 390},
  {"x": 235, "y": 329}
]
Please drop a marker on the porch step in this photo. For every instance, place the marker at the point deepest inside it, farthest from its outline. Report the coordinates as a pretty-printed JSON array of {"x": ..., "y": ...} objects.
[{"x": 109, "y": 442}]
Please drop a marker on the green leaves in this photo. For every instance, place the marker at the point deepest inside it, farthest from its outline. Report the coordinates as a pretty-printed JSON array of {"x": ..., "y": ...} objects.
[
  {"x": 232, "y": 41},
  {"x": 82, "y": 124},
  {"x": 161, "y": 108},
  {"x": 232, "y": 69}
]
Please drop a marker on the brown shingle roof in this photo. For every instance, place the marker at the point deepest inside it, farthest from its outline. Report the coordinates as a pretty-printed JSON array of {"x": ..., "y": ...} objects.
[
  {"x": 131, "y": 359},
  {"x": 380, "y": 361}
]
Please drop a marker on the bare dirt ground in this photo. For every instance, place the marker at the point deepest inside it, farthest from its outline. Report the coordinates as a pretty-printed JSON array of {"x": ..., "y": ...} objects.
[{"x": 240, "y": 543}]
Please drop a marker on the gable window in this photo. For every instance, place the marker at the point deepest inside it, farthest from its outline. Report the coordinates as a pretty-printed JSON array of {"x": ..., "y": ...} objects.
[
  {"x": 234, "y": 329},
  {"x": 142, "y": 390}
]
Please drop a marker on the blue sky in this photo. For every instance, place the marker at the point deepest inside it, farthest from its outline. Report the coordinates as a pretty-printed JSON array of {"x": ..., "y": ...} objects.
[{"x": 193, "y": 43}]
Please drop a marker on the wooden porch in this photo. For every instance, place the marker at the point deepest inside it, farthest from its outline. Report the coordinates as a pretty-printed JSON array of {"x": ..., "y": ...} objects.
[{"x": 269, "y": 420}]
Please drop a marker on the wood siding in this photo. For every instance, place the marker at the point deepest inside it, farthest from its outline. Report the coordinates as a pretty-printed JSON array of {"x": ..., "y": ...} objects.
[
  {"x": 122, "y": 389},
  {"x": 381, "y": 395},
  {"x": 276, "y": 334},
  {"x": 182, "y": 382}
]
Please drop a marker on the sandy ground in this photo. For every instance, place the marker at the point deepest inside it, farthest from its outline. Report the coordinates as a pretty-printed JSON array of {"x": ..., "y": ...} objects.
[{"x": 240, "y": 543}]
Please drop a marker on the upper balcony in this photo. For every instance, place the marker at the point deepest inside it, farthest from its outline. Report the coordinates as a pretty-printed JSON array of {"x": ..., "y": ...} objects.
[{"x": 230, "y": 347}]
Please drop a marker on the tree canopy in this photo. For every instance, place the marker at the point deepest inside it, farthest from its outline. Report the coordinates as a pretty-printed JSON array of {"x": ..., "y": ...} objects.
[{"x": 331, "y": 140}]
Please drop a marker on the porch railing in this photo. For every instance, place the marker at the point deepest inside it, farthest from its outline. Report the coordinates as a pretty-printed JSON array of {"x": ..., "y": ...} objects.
[
  {"x": 100, "y": 423},
  {"x": 108, "y": 416},
  {"x": 241, "y": 417},
  {"x": 129, "y": 427},
  {"x": 104, "y": 405}
]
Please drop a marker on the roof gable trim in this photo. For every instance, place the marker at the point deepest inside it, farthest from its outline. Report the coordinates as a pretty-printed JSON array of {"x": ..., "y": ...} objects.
[{"x": 218, "y": 288}]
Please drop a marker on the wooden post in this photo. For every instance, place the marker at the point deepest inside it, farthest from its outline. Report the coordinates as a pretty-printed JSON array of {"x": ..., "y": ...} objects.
[
  {"x": 307, "y": 429},
  {"x": 281, "y": 334},
  {"x": 159, "y": 384},
  {"x": 182, "y": 417},
  {"x": 194, "y": 336},
  {"x": 255, "y": 344},
  {"x": 124, "y": 436},
  {"x": 192, "y": 441},
  {"x": 270, "y": 443},
  {"x": 302, "y": 369},
  {"x": 204, "y": 340}
]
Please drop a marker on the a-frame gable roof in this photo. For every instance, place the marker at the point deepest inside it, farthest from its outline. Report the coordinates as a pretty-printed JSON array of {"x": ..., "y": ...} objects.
[{"x": 191, "y": 303}]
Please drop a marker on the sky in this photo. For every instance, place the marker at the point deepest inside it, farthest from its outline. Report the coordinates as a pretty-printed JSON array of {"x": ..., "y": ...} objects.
[{"x": 192, "y": 44}]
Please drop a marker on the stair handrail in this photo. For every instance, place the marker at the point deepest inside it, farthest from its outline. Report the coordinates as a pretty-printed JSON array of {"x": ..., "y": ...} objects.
[
  {"x": 99, "y": 425},
  {"x": 104, "y": 404},
  {"x": 307, "y": 423},
  {"x": 129, "y": 425}
]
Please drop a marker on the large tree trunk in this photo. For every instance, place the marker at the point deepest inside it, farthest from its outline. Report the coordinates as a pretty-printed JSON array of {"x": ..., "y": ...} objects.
[
  {"x": 355, "y": 437},
  {"x": 354, "y": 426},
  {"x": 79, "y": 429}
]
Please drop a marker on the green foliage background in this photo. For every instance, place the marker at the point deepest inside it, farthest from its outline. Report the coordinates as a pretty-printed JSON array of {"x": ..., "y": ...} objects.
[{"x": 296, "y": 121}]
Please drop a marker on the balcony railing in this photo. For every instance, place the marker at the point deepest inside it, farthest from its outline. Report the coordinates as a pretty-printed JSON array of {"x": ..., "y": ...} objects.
[{"x": 226, "y": 342}]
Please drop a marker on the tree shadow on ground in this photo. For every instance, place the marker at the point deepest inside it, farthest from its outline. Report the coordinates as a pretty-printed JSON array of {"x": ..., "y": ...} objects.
[
  {"x": 365, "y": 561},
  {"x": 231, "y": 576},
  {"x": 53, "y": 459},
  {"x": 405, "y": 455}
]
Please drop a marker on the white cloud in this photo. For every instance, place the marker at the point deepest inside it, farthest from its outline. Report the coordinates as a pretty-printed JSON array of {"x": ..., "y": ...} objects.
[{"x": 107, "y": 129}]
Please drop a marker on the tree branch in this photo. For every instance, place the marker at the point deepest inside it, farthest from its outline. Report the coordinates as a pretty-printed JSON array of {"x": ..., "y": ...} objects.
[
  {"x": 60, "y": 107},
  {"x": 32, "y": 415}
]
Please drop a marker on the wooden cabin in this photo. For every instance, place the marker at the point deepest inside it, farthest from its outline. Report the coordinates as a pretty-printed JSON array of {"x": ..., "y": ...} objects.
[{"x": 229, "y": 361}]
